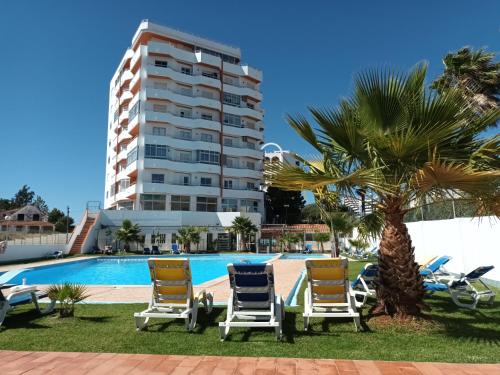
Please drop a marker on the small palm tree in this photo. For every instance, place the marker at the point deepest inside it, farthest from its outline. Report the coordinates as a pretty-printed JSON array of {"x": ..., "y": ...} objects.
[
  {"x": 245, "y": 228},
  {"x": 405, "y": 147},
  {"x": 128, "y": 233},
  {"x": 197, "y": 236},
  {"x": 321, "y": 238}
]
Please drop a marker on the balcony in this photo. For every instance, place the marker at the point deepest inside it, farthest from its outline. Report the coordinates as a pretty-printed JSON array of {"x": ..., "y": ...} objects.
[
  {"x": 243, "y": 91},
  {"x": 207, "y": 59},
  {"x": 182, "y": 97},
  {"x": 181, "y": 121},
  {"x": 244, "y": 110},
  {"x": 181, "y": 166},
  {"x": 181, "y": 77},
  {"x": 172, "y": 188},
  {"x": 123, "y": 117},
  {"x": 178, "y": 142}
]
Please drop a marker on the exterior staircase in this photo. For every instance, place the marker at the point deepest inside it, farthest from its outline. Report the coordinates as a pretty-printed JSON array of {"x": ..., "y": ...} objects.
[{"x": 80, "y": 238}]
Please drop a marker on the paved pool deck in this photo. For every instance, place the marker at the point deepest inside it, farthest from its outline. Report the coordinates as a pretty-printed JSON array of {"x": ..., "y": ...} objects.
[
  {"x": 287, "y": 272},
  {"x": 31, "y": 363}
]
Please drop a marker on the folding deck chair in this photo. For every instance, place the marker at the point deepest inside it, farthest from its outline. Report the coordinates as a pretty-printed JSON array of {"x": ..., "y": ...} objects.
[
  {"x": 465, "y": 286},
  {"x": 364, "y": 285},
  {"x": 19, "y": 294},
  {"x": 435, "y": 268},
  {"x": 252, "y": 301},
  {"x": 172, "y": 293},
  {"x": 328, "y": 292}
]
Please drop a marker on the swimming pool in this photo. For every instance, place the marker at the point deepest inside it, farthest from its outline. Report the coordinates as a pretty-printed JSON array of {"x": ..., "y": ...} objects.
[
  {"x": 129, "y": 270},
  {"x": 296, "y": 256}
]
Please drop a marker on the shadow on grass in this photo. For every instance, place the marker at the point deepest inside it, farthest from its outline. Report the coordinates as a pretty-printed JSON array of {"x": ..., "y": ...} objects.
[
  {"x": 95, "y": 319},
  {"x": 23, "y": 320}
]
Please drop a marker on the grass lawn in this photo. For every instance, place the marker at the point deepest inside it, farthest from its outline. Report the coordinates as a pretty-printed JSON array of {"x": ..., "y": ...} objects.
[{"x": 459, "y": 335}]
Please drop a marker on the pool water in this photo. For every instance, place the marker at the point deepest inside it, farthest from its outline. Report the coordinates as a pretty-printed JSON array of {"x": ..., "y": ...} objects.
[{"x": 129, "y": 270}]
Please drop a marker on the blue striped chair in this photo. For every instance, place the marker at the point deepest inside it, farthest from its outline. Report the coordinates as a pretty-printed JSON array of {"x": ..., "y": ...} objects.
[
  {"x": 252, "y": 301},
  {"x": 364, "y": 285}
]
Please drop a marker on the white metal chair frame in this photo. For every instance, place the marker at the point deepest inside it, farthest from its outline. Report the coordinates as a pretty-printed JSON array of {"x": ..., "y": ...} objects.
[
  {"x": 257, "y": 317},
  {"x": 187, "y": 311},
  {"x": 329, "y": 310},
  {"x": 22, "y": 290}
]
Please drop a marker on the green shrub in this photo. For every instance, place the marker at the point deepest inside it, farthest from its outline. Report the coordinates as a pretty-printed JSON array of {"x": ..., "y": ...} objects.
[{"x": 67, "y": 295}]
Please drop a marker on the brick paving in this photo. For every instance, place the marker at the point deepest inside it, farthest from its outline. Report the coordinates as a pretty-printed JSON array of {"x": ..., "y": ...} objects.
[
  {"x": 30, "y": 363},
  {"x": 286, "y": 272}
]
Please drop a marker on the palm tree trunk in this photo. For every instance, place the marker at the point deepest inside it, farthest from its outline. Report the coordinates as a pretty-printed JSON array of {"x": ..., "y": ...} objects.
[
  {"x": 400, "y": 288},
  {"x": 335, "y": 247}
]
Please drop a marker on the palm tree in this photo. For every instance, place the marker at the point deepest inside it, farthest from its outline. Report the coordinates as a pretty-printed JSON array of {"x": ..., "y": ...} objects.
[
  {"x": 321, "y": 238},
  {"x": 128, "y": 233},
  {"x": 288, "y": 239},
  {"x": 197, "y": 236},
  {"x": 475, "y": 74},
  {"x": 186, "y": 236},
  {"x": 244, "y": 227},
  {"x": 405, "y": 147}
]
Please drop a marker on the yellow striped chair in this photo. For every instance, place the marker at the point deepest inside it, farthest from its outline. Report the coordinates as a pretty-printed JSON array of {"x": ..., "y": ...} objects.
[
  {"x": 172, "y": 294},
  {"x": 328, "y": 292}
]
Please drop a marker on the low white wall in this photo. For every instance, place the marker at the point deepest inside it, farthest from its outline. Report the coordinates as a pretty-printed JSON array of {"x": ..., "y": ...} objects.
[
  {"x": 470, "y": 242},
  {"x": 21, "y": 252}
]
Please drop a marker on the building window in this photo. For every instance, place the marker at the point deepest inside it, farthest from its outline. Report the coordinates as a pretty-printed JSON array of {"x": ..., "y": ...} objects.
[
  {"x": 36, "y": 217},
  {"x": 185, "y": 156},
  {"x": 232, "y": 120},
  {"x": 20, "y": 217},
  {"x": 134, "y": 110},
  {"x": 158, "y": 178},
  {"x": 206, "y": 204},
  {"x": 185, "y": 134},
  {"x": 250, "y": 186},
  {"x": 155, "y": 151},
  {"x": 228, "y": 184},
  {"x": 186, "y": 70},
  {"x": 248, "y": 205},
  {"x": 185, "y": 180},
  {"x": 232, "y": 99},
  {"x": 206, "y": 181},
  {"x": 159, "y": 131},
  {"x": 209, "y": 74},
  {"x": 229, "y": 205},
  {"x": 207, "y": 116},
  {"x": 153, "y": 202},
  {"x": 207, "y": 157},
  {"x": 160, "y": 108},
  {"x": 132, "y": 156},
  {"x": 206, "y": 137},
  {"x": 19, "y": 228},
  {"x": 228, "y": 142},
  {"x": 309, "y": 236},
  {"x": 251, "y": 165},
  {"x": 161, "y": 63},
  {"x": 179, "y": 203}
]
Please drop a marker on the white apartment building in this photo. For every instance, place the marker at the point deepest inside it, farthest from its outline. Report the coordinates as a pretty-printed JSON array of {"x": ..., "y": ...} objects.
[{"x": 185, "y": 126}]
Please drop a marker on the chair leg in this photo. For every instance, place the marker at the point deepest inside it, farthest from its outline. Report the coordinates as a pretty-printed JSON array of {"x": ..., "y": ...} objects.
[
  {"x": 141, "y": 323},
  {"x": 4, "y": 307},
  {"x": 194, "y": 316},
  {"x": 279, "y": 317},
  {"x": 306, "y": 323},
  {"x": 357, "y": 323}
]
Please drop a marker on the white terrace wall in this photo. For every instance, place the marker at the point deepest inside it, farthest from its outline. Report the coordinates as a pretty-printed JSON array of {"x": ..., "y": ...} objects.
[
  {"x": 470, "y": 242},
  {"x": 21, "y": 252}
]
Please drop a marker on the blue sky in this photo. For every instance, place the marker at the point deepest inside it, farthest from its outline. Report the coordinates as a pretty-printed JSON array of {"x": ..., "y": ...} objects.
[{"x": 57, "y": 58}]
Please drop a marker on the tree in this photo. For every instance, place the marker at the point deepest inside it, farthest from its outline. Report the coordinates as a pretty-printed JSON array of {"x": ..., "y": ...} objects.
[
  {"x": 288, "y": 239},
  {"x": 6, "y": 204},
  {"x": 55, "y": 215},
  {"x": 39, "y": 203},
  {"x": 188, "y": 235},
  {"x": 245, "y": 228},
  {"x": 405, "y": 146},
  {"x": 23, "y": 197},
  {"x": 321, "y": 238},
  {"x": 311, "y": 214},
  {"x": 283, "y": 206},
  {"x": 128, "y": 233},
  {"x": 474, "y": 74},
  {"x": 197, "y": 236},
  {"x": 64, "y": 223}
]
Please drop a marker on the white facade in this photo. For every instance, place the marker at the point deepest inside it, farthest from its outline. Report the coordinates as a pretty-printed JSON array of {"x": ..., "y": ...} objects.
[
  {"x": 185, "y": 126},
  {"x": 283, "y": 156}
]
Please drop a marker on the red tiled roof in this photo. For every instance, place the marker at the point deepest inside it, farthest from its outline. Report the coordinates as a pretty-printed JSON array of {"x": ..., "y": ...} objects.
[{"x": 295, "y": 228}]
